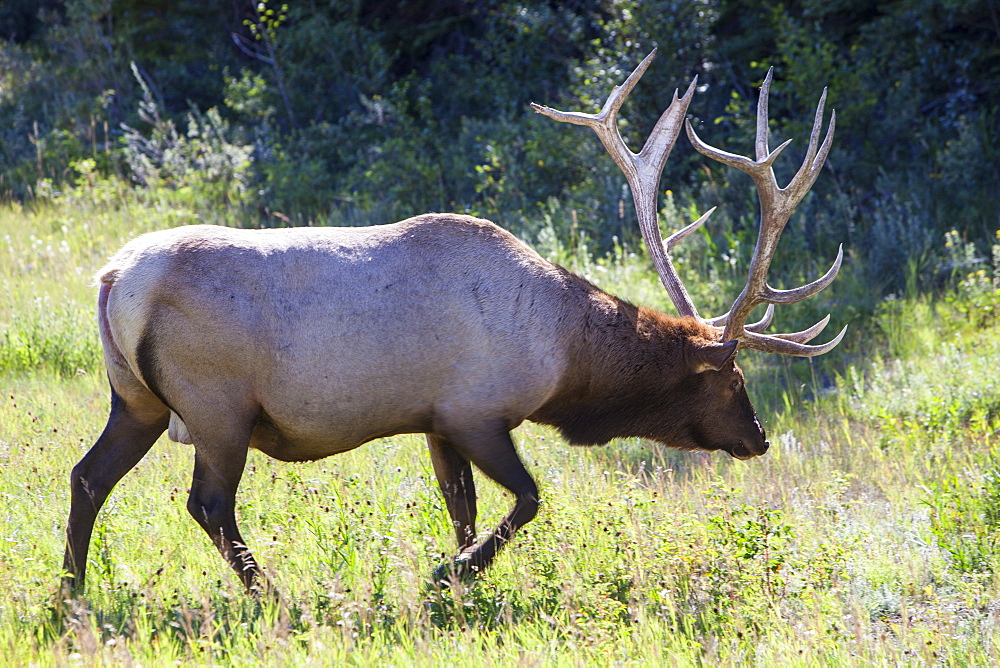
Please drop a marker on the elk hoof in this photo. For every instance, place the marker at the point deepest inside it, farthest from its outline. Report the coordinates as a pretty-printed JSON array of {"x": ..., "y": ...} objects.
[{"x": 459, "y": 570}]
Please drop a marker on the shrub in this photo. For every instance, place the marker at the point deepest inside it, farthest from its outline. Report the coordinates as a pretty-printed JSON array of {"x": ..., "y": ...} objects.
[{"x": 49, "y": 338}]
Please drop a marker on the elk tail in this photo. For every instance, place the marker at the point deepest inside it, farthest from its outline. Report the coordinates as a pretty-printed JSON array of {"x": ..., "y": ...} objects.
[{"x": 111, "y": 350}]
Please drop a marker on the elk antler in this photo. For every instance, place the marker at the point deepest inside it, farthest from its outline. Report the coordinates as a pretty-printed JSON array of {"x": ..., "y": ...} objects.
[
  {"x": 642, "y": 171},
  {"x": 776, "y": 206}
]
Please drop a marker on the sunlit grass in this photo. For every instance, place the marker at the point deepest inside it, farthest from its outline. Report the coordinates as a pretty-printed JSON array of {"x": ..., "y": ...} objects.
[{"x": 868, "y": 534}]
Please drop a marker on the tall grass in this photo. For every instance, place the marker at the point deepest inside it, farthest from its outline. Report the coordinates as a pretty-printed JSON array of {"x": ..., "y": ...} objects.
[{"x": 868, "y": 534}]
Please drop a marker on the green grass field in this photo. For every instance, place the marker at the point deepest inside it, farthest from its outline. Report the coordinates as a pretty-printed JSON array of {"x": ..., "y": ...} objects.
[{"x": 868, "y": 535}]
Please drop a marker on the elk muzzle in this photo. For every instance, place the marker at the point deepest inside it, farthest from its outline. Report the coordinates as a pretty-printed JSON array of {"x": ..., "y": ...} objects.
[{"x": 743, "y": 450}]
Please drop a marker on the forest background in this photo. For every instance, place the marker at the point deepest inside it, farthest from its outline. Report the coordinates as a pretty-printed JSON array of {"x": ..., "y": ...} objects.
[{"x": 365, "y": 112}]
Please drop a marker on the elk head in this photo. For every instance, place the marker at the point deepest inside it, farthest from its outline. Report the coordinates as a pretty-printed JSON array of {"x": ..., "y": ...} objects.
[{"x": 730, "y": 422}]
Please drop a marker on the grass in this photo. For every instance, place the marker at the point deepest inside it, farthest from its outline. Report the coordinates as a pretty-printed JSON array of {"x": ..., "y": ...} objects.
[{"x": 867, "y": 535}]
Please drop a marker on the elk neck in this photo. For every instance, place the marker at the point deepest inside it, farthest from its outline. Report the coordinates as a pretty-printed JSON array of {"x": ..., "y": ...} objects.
[{"x": 627, "y": 374}]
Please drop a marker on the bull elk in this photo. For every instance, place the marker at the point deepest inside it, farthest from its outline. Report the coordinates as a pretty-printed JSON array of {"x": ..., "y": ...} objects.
[{"x": 307, "y": 342}]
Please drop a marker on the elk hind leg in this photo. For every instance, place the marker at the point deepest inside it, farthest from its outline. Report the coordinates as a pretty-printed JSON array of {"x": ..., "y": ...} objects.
[
  {"x": 220, "y": 456},
  {"x": 132, "y": 428}
]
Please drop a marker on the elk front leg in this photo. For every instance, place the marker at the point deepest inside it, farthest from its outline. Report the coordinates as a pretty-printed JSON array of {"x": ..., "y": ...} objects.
[
  {"x": 454, "y": 476},
  {"x": 495, "y": 455},
  {"x": 131, "y": 430}
]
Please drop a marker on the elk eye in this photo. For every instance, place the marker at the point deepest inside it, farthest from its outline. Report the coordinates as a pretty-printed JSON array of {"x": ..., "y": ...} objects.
[{"x": 736, "y": 385}]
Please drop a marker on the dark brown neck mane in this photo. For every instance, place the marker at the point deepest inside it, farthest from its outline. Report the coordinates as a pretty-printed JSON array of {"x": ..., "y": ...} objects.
[{"x": 623, "y": 352}]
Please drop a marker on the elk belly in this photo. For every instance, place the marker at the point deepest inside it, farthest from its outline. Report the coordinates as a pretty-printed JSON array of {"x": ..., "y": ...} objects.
[{"x": 178, "y": 431}]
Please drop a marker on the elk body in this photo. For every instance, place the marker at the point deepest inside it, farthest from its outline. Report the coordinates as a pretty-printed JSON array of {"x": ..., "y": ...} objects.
[{"x": 303, "y": 343}]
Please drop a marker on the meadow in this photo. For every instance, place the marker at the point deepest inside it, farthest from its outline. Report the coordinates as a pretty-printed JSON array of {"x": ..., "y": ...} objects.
[{"x": 868, "y": 534}]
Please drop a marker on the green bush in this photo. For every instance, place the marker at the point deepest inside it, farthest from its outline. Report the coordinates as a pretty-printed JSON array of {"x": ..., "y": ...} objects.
[{"x": 51, "y": 338}]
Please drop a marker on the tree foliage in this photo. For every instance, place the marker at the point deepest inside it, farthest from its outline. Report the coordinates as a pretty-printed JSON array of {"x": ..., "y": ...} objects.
[{"x": 370, "y": 111}]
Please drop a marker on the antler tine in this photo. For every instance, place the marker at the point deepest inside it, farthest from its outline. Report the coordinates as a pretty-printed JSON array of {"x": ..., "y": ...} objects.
[
  {"x": 762, "y": 116},
  {"x": 776, "y": 205},
  {"x": 762, "y": 324},
  {"x": 814, "y": 160},
  {"x": 642, "y": 170},
  {"x": 773, "y": 296},
  {"x": 721, "y": 320},
  {"x": 775, "y": 344},
  {"x": 680, "y": 234},
  {"x": 604, "y": 123},
  {"x": 806, "y": 335}
]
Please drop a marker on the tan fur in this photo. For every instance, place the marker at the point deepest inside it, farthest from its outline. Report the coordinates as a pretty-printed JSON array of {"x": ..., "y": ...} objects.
[{"x": 340, "y": 335}]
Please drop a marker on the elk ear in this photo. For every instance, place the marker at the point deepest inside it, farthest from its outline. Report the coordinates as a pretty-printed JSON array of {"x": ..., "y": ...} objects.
[{"x": 712, "y": 357}]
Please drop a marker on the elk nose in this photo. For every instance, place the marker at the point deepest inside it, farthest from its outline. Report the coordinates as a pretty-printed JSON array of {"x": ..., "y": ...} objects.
[{"x": 753, "y": 448}]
